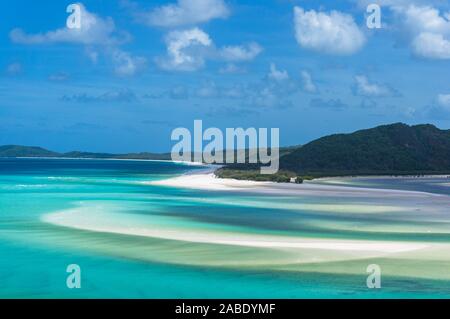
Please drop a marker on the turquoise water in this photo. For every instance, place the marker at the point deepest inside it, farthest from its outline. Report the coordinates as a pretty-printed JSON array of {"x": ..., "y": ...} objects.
[{"x": 133, "y": 239}]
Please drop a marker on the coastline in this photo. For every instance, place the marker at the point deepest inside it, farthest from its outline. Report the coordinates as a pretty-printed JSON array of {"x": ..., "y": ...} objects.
[
  {"x": 215, "y": 167},
  {"x": 206, "y": 180}
]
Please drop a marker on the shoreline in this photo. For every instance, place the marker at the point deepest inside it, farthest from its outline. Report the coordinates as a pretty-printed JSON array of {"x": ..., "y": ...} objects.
[
  {"x": 208, "y": 181},
  {"x": 218, "y": 166}
]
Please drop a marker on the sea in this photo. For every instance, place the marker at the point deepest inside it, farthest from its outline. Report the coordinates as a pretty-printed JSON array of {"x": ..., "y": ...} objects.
[{"x": 130, "y": 238}]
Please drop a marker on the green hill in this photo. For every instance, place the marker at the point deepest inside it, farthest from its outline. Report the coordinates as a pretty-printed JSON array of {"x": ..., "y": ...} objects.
[
  {"x": 32, "y": 151},
  {"x": 388, "y": 149},
  {"x": 25, "y": 151}
]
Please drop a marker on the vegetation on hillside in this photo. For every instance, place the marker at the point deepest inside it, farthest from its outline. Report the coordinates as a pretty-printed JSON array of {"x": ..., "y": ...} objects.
[
  {"x": 388, "y": 149},
  {"x": 396, "y": 149}
]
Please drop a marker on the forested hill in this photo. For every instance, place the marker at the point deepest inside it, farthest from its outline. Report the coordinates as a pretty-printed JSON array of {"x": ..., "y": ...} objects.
[
  {"x": 33, "y": 151},
  {"x": 388, "y": 149}
]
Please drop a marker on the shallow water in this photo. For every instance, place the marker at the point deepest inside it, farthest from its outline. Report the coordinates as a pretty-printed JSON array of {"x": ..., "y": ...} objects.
[{"x": 134, "y": 240}]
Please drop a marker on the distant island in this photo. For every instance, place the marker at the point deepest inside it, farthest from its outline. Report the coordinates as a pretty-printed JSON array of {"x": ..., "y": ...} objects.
[
  {"x": 395, "y": 149},
  {"x": 34, "y": 151}
]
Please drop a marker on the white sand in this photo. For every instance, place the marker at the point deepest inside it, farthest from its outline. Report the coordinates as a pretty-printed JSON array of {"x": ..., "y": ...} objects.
[
  {"x": 87, "y": 219},
  {"x": 208, "y": 181}
]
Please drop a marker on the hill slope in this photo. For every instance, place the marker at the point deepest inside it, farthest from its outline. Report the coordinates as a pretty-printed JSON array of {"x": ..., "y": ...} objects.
[
  {"x": 387, "y": 149},
  {"x": 25, "y": 151},
  {"x": 32, "y": 151}
]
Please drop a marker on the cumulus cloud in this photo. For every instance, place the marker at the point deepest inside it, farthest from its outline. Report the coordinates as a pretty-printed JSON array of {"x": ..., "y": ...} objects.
[
  {"x": 433, "y": 38},
  {"x": 94, "y": 30},
  {"x": 126, "y": 64},
  {"x": 431, "y": 45},
  {"x": 185, "y": 50},
  {"x": 331, "y": 33},
  {"x": 428, "y": 28},
  {"x": 364, "y": 3},
  {"x": 99, "y": 37},
  {"x": 363, "y": 87},
  {"x": 307, "y": 82},
  {"x": 186, "y": 12},
  {"x": 277, "y": 75},
  {"x": 241, "y": 52}
]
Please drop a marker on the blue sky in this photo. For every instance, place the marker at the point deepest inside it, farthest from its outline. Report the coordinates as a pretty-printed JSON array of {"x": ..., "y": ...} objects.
[{"x": 138, "y": 69}]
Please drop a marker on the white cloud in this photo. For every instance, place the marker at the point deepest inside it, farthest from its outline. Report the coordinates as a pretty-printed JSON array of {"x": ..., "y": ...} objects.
[
  {"x": 185, "y": 50},
  {"x": 99, "y": 36},
  {"x": 331, "y": 33},
  {"x": 424, "y": 19},
  {"x": 308, "y": 84},
  {"x": 431, "y": 45},
  {"x": 364, "y": 87},
  {"x": 390, "y": 3},
  {"x": 241, "y": 52},
  {"x": 432, "y": 39},
  {"x": 186, "y": 12},
  {"x": 277, "y": 75},
  {"x": 126, "y": 64},
  {"x": 94, "y": 31},
  {"x": 444, "y": 101},
  {"x": 428, "y": 28}
]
